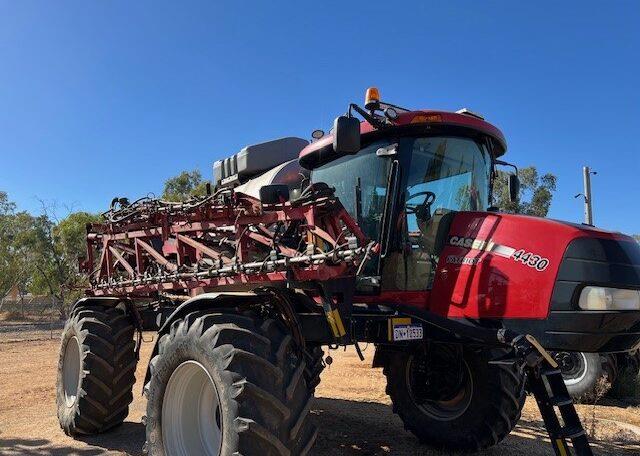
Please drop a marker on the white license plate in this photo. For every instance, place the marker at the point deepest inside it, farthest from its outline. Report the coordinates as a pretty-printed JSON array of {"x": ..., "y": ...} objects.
[{"x": 407, "y": 332}]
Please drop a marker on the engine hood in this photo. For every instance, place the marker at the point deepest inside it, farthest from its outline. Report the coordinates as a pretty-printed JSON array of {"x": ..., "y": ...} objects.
[
  {"x": 495, "y": 264},
  {"x": 517, "y": 268}
]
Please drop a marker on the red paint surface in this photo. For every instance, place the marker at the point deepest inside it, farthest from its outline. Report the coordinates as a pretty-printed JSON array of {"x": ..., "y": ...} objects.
[
  {"x": 446, "y": 118},
  {"x": 499, "y": 286},
  {"x": 495, "y": 287}
]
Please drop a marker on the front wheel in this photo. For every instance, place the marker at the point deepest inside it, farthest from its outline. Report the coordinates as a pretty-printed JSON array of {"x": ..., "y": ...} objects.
[{"x": 455, "y": 399}]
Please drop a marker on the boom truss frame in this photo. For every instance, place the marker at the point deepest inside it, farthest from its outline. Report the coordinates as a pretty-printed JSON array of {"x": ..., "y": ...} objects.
[{"x": 228, "y": 239}]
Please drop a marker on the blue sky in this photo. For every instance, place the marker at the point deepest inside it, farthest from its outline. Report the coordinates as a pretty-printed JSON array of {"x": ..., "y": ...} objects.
[{"x": 99, "y": 99}]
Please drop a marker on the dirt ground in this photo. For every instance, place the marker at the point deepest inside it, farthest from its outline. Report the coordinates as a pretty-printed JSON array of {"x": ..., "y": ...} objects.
[{"x": 351, "y": 408}]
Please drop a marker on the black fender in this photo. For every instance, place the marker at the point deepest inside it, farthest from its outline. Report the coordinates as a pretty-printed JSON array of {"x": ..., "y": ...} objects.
[{"x": 201, "y": 302}]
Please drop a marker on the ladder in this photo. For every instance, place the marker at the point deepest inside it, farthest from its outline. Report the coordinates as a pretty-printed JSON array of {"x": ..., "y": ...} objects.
[{"x": 544, "y": 380}]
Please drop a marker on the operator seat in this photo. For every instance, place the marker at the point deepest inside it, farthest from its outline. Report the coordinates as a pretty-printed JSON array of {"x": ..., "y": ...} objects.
[
  {"x": 434, "y": 230},
  {"x": 422, "y": 262},
  {"x": 413, "y": 268}
]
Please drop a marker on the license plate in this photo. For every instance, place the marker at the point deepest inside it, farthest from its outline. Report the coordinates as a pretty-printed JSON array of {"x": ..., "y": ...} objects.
[{"x": 407, "y": 332}]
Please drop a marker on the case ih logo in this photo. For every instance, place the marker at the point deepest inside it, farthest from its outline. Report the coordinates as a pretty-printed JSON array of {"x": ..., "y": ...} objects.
[
  {"x": 470, "y": 243},
  {"x": 538, "y": 262}
]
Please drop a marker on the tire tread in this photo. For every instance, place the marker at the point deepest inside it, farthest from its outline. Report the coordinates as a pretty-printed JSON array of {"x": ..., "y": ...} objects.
[
  {"x": 270, "y": 379},
  {"x": 105, "y": 390}
]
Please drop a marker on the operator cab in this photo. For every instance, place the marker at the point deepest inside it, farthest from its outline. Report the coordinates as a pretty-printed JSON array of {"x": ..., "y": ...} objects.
[{"x": 413, "y": 170}]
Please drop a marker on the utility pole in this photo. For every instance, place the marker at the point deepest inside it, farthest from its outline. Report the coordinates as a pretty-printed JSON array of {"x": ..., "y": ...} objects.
[{"x": 588, "y": 207}]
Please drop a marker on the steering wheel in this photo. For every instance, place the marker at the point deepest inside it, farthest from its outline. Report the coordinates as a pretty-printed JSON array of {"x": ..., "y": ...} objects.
[{"x": 422, "y": 211}]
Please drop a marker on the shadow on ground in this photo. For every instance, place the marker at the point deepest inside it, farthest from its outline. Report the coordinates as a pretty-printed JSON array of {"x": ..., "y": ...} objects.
[
  {"x": 370, "y": 428},
  {"x": 42, "y": 447},
  {"x": 347, "y": 428},
  {"x": 127, "y": 439}
]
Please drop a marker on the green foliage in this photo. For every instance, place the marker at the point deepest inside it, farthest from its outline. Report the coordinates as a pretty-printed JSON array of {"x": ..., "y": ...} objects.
[
  {"x": 40, "y": 253},
  {"x": 19, "y": 252},
  {"x": 536, "y": 192},
  {"x": 184, "y": 185},
  {"x": 14, "y": 262},
  {"x": 7, "y": 232},
  {"x": 56, "y": 248},
  {"x": 70, "y": 233},
  {"x": 6, "y": 206}
]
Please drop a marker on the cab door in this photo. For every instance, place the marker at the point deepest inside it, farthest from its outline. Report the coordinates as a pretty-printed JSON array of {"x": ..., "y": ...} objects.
[{"x": 443, "y": 175}]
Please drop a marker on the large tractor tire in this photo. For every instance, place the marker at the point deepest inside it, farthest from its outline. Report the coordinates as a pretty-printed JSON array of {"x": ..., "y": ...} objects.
[
  {"x": 228, "y": 383},
  {"x": 96, "y": 370},
  {"x": 481, "y": 410},
  {"x": 315, "y": 366}
]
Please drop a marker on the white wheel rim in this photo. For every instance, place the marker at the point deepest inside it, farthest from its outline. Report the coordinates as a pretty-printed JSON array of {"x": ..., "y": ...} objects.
[
  {"x": 191, "y": 416},
  {"x": 582, "y": 373},
  {"x": 71, "y": 371}
]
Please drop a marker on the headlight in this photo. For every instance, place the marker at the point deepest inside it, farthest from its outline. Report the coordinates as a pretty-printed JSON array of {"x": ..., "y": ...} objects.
[{"x": 603, "y": 298}]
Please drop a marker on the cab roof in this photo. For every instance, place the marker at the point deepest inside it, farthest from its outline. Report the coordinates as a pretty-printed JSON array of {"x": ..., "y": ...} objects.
[{"x": 321, "y": 151}]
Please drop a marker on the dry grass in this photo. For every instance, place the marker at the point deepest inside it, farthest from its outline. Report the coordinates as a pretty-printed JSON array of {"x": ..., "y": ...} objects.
[
  {"x": 12, "y": 316},
  {"x": 590, "y": 424}
]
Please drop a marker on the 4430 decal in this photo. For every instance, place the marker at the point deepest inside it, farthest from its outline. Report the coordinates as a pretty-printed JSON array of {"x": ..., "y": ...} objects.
[{"x": 531, "y": 259}]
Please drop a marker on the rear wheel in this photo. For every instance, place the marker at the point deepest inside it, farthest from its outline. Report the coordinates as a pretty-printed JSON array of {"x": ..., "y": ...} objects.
[
  {"x": 95, "y": 370},
  {"x": 228, "y": 383},
  {"x": 452, "y": 400}
]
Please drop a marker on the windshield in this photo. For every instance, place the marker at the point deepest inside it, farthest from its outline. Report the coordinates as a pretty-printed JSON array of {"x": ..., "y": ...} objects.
[
  {"x": 446, "y": 174},
  {"x": 456, "y": 170}
]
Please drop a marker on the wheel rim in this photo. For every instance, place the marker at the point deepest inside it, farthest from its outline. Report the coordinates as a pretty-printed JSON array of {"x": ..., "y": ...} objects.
[
  {"x": 191, "y": 418},
  {"x": 445, "y": 410},
  {"x": 71, "y": 371},
  {"x": 573, "y": 367}
]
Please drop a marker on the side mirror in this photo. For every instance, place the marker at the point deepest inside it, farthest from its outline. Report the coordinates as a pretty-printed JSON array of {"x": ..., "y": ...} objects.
[
  {"x": 514, "y": 188},
  {"x": 346, "y": 135},
  {"x": 274, "y": 194}
]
